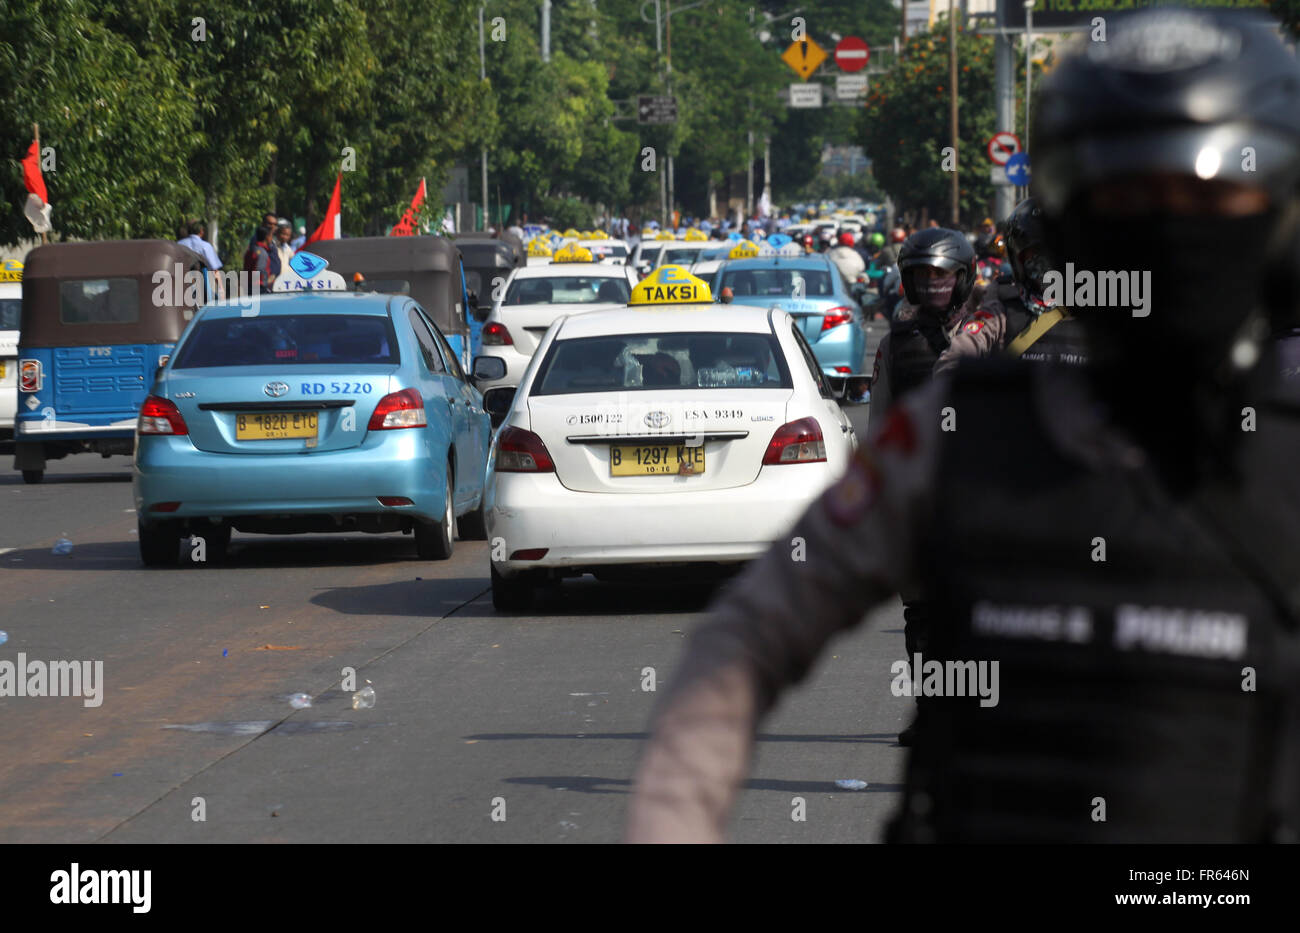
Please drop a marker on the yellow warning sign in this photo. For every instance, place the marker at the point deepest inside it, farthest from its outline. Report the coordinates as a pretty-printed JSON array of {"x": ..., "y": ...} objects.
[
  {"x": 804, "y": 57},
  {"x": 670, "y": 285}
]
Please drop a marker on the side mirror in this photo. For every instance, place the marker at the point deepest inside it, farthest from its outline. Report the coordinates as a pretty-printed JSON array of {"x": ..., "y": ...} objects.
[
  {"x": 497, "y": 402},
  {"x": 488, "y": 368}
]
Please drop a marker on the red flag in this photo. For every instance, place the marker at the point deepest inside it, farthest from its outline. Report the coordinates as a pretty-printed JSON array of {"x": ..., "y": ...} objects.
[
  {"x": 329, "y": 228},
  {"x": 32, "y": 173},
  {"x": 408, "y": 226}
]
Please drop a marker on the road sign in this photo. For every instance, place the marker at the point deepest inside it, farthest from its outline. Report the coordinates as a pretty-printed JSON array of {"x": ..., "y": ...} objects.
[
  {"x": 851, "y": 54},
  {"x": 804, "y": 57},
  {"x": 1018, "y": 169},
  {"x": 805, "y": 95},
  {"x": 998, "y": 175},
  {"x": 656, "y": 110},
  {"x": 850, "y": 87},
  {"x": 1003, "y": 146}
]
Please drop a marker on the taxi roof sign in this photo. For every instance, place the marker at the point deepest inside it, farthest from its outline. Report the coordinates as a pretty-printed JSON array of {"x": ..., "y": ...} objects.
[
  {"x": 309, "y": 273},
  {"x": 539, "y": 248},
  {"x": 572, "y": 252},
  {"x": 11, "y": 271},
  {"x": 745, "y": 249},
  {"x": 694, "y": 235},
  {"x": 670, "y": 285},
  {"x": 571, "y": 233}
]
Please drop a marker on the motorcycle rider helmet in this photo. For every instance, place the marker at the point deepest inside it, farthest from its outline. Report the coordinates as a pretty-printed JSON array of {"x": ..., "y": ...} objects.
[
  {"x": 944, "y": 249},
  {"x": 1182, "y": 131},
  {"x": 897, "y": 235},
  {"x": 846, "y": 239},
  {"x": 877, "y": 239},
  {"x": 1026, "y": 245}
]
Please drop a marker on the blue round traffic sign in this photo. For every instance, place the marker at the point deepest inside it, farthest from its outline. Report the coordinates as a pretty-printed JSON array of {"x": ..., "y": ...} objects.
[{"x": 1018, "y": 169}]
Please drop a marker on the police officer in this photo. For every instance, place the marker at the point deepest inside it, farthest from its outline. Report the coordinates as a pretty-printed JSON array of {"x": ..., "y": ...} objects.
[
  {"x": 1130, "y": 551},
  {"x": 938, "y": 271},
  {"x": 1015, "y": 316}
]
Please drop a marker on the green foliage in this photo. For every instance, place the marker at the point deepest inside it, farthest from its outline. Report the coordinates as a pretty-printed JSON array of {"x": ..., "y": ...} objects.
[{"x": 905, "y": 126}]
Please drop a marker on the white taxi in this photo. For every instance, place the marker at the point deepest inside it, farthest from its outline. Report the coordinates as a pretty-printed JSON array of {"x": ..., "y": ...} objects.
[
  {"x": 669, "y": 431},
  {"x": 11, "y": 309},
  {"x": 534, "y": 296}
]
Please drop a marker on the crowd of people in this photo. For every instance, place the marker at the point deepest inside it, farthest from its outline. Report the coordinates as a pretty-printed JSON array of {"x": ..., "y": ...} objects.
[{"x": 267, "y": 255}]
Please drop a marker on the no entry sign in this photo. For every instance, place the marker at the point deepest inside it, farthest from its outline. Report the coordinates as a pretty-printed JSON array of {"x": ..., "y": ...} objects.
[
  {"x": 851, "y": 54},
  {"x": 1002, "y": 147}
]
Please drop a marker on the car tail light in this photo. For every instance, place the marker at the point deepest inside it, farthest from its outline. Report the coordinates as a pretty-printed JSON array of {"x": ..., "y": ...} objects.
[
  {"x": 403, "y": 409},
  {"x": 164, "y": 507},
  {"x": 520, "y": 451},
  {"x": 797, "y": 442},
  {"x": 394, "y": 500},
  {"x": 29, "y": 376},
  {"x": 843, "y": 369},
  {"x": 835, "y": 317},
  {"x": 159, "y": 416},
  {"x": 496, "y": 335},
  {"x": 532, "y": 553}
]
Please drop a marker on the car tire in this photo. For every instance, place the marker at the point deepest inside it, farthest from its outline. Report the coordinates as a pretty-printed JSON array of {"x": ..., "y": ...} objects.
[
  {"x": 433, "y": 540},
  {"x": 33, "y": 477},
  {"x": 216, "y": 543},
  {"x": 511, "y": 595},
  {"x": 472, "y": 526},
  {"x": 159, "y": 543}
]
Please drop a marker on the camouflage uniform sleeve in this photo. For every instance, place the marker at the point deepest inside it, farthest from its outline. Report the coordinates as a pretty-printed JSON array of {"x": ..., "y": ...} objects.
[
  {"x": 850, "y": 551},
  {"x": 978, "y": 334}
]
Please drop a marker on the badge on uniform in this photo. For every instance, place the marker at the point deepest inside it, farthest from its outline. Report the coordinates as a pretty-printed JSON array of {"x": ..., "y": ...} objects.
[
  {"x": 849, "y": 499},
  {"x": 973, "y": 327}
]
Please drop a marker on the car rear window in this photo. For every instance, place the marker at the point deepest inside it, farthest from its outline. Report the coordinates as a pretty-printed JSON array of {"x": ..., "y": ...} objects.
[
  {"x": 680, "y": 257},
  {"x": 11, "y": 310},
  {"x": 662, "y": 361},
  {"x": 99, "y": 301},
  {"x": 344, "y": 339},
  {"x": 777, "y": 282},
  {"x": 569, "y": 290}
]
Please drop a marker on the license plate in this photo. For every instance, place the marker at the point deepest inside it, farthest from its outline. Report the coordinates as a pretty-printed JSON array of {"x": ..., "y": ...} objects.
[
  {"x": 656, "y": 460},
  {"x": 274, "y": 425},
  {"x": 2, "y": 369}
]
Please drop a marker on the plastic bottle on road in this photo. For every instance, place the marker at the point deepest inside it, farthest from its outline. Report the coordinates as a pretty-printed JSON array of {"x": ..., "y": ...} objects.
[
  {"x": 62, "y": 547},
  {"x": 300, "y": 701},
  {"x": 364, "y": 698}
]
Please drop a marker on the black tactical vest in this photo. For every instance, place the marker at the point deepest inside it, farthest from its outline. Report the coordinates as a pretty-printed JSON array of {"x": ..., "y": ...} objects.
[
  {"x": 1064, "y": 343},
  {"x": 914, "y": 347},
  {"x": 1120, "y": 682}
]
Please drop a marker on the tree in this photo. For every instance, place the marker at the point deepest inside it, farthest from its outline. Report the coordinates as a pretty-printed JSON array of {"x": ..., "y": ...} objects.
[{"x": 905, "y": 125}]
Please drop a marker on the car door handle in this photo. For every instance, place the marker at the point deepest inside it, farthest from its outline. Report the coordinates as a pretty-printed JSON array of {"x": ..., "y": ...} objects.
[{"x": 846, "y": 428}]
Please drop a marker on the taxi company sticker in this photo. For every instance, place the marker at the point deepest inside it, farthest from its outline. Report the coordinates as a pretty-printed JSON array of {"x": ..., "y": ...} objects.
[
  {"x": 849, "y": 499},
  {"x": 670, "y": 285}
]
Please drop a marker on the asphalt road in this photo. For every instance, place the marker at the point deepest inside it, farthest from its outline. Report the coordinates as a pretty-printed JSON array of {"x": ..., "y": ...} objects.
[{"x": 544, "y": 712}]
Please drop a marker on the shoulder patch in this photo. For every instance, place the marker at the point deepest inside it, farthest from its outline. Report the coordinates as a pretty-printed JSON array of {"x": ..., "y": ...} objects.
[
  {"x": 850, "y": 498},
  {"x": 973, "y": 327}
]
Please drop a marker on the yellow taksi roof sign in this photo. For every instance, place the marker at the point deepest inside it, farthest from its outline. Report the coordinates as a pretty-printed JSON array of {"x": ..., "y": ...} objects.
[
  {"x": 572, "y": 252},
  {"x": 745, "y": 249},
  {"x": 670, "y": 285},
  {"x": 11, "y": 270}
]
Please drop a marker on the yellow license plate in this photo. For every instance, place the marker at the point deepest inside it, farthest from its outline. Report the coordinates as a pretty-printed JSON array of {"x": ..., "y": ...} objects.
[
  {"x": 274, "y": 425},
  {"x": 2, "y": 369},
  {"x": 656, "y": 460}
]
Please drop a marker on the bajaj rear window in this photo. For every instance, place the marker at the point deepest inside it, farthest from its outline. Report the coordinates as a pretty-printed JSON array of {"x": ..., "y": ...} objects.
[
  {"x": 99, "y": 301},
  {"x": 344, "y": 339}
]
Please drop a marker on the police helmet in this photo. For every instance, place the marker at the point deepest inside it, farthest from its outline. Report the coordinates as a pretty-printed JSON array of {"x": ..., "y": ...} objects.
[{"x": 945, "y": 249}]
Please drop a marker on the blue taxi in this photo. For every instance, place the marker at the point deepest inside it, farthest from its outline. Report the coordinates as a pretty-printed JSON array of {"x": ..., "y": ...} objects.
[{"x": 310, "y": 411}]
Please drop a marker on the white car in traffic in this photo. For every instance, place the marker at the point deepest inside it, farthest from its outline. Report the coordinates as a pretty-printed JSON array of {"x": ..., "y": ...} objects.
[
  {"x": 694, "y": 433},
  {"x": 11, "y": 306},
  {"x": 534, "y": 296}
]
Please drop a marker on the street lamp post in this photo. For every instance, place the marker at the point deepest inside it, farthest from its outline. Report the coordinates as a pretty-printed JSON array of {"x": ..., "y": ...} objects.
[
  {"x": 482, "y": 75},
  {"x": 1029, "y": 50}
]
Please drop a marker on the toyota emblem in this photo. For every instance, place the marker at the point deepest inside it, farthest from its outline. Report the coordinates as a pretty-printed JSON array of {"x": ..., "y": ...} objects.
[
  {"x": 657, "y": 419},
  {"x": 276, "y": 389}
]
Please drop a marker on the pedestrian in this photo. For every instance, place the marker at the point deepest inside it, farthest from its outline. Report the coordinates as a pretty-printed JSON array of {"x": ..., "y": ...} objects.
[
  {"x": 281, "y": 245},
  {"x": 298, "y": 241},
  {"x": 1114, "y": 536},
  {"x": 257, "y": 261},
  {"x": 195, "y": 239}
]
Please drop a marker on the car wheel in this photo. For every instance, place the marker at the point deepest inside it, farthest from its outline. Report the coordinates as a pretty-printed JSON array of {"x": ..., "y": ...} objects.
[
  {"x": 433, "y": 540},
  {"x": 159, "y": 543},
  {"x": 513, "y": 595},
  {"x": 472, "y": 526},
  {"x": 32, "y": 477}
]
